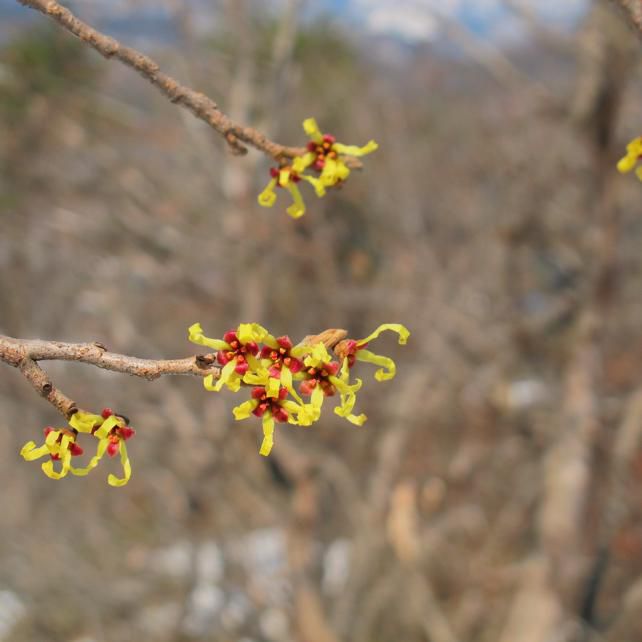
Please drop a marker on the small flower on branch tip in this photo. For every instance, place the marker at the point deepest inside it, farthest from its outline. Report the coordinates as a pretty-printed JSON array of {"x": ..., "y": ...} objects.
[
  {"x": 326, "y": 156},
  {"x": 270, "y": 409},
  {"x": 236, "y": 352},
  {"x": 631, "y": 158},
  {"x": 355, "y": 350}
]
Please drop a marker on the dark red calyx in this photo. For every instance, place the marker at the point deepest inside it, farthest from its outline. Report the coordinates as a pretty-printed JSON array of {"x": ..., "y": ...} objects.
[
  {"x": 230, "y": 336},
  {"x": 312, "y": 146},
  {"x": 107, "y": 412},
  {"x": 274, "y": 172},
  {"x": 113, "y": 447},
  {"x": 75, "y": 449},
  {"x": 126, "y": 432},
  {"x": 47, "y": 430},
  {"x": 329, "y": 138},
  {"x": 284, "y": 342}
]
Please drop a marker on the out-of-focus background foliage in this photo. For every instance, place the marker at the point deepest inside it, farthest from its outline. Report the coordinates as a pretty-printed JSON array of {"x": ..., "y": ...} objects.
[{"x": 494, "y": 494}]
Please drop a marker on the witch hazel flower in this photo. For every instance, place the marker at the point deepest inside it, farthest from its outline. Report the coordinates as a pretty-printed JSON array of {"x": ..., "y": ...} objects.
[
  {"x": 282, "y": 360},
  {"x": 326, "y": 156},
  {"x": 112, "y": 431},
  {"x": 321, "y": 381},
  {"x": 271, "y": 409},
  {"x": 60, "y": 444},
  {"x": 236, "y": 352},
  {"x": 631, "y": 158}
]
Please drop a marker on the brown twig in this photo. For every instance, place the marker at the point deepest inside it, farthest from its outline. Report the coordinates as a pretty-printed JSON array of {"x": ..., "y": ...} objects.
[
  {"x": 235, "y": 134},
  {"x": 25, "y": 353}
]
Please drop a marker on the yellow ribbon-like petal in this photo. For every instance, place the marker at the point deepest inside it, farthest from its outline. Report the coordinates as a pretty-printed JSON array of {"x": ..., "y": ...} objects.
[
  {"x": 226, "y": 378},
  {"x": 268, "y": 434},
  {"x": 244, "y": 410},
  {"x": 268, "y": 196},
  {"x": 251, "y": 332},
  {"x": 297, "y": 209},
  {"x": 272, "y": 388},
  {"x": 286, "y": 377},
  {"x": 317, "y": 356},
  {"x": 312, "y": 130},
  {"x": 30, "y": 452},
  {"x": 100, "y": 451},
  {"x": 195, "y": 335},
  {"x": 284, "y": 176},
  {"x": 401, "y": 330},
  {"x": 301, "y": 163},
  {"x": 111, "y": 422},
  {"x": 348, "y": 396},
  {"x": 317, "y": 183},
  {"x": 330, "y": 173},
  {"x": 65, "y": 460},
  {"x": 388, "y": 370},
  {"x": 112, "y": 480},
  {"x": 355, "y": 150},
  {"x": 85, "y": 421}
]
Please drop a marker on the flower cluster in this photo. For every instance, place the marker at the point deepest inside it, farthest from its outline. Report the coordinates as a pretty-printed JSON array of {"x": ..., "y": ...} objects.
[
  {"x": 111, "y": 431},
  {"x": 324, "y": 157},
  {"x": 274, "y": 367},
  {"x": 631, "y": 158}
]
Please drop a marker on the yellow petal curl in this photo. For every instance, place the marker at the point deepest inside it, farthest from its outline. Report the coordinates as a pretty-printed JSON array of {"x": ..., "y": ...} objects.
[
  {"x": 401, "y": 330},
  {"x": 317, "y": 183},
  {"x": 85, "y": 421},
  {"x": 227, "y": 377},
  {"x": 112, "y": 480},
  {"x": 355, "y": 150},
  {"x": 388, "y": 369},
  {"x": 244, "y": 410},
  {"x": 297, "y": 209},
  {"x": 268, "y": 434},
  {"x": 301, "y": 163},
  {"x": 267, "y": 197},
  {"x": 348, "y": 397},
  {"x": 195, "y": 335},
  {"x": 312, "y": 130},
  {"x": 94, "y": 461},
  {"x": 65, "y": 460},
  {"x": 251, "y": 332},
  {"x": 30, "y": 451}
]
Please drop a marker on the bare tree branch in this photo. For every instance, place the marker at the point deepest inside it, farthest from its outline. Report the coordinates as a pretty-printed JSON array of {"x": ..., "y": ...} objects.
[
  {"x": 235, "y": 134},
  {"x": 25, "y": 353}
]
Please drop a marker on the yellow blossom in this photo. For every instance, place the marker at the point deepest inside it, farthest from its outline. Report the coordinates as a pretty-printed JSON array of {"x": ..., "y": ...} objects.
[
  {"x": 326, "y": 156},
  {"x": 236, "y": 352},
  {"x": 270, "y": 409},
  {"x": 60, "y": 444}
]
